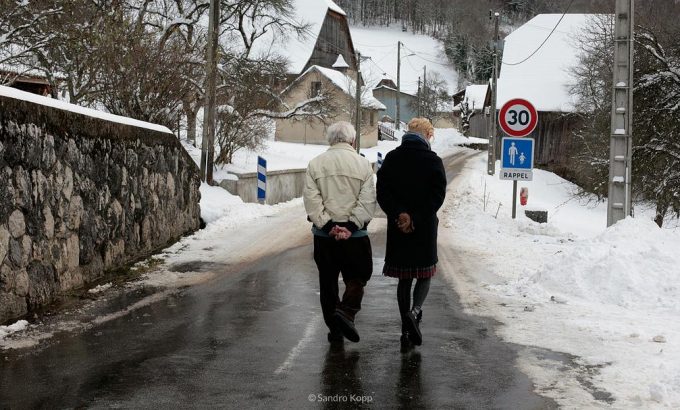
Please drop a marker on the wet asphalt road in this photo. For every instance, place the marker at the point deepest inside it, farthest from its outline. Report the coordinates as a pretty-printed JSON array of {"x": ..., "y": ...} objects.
[{"x": 255, "y": 339}]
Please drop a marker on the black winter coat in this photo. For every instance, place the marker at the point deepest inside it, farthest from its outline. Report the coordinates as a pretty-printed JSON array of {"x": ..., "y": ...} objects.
[{"x": 412, "y": 180}]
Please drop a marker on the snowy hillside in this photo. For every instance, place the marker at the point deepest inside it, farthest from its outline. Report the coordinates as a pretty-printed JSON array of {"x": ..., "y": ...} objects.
[{"x": 380, "y": 43}]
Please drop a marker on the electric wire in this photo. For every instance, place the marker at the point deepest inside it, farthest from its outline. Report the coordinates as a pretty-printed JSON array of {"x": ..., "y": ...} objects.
[{"x": 546, "y": 39}]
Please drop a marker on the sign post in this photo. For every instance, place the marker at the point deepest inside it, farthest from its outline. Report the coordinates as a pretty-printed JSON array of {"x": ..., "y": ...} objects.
[
  {"x": 517, "y": 164},
  {"x": 261, "y": 180},
  {"x": 517, "y": 118}
]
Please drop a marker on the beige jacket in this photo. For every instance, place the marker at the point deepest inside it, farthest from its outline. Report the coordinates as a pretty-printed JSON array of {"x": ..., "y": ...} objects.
[{"x": 339, "y": 187}]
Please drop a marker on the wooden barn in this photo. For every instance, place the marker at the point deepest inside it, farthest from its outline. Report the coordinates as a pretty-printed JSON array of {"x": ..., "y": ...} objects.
[
  {"x": 326, "y": 36},
  {"x": 543, "y": 78}
]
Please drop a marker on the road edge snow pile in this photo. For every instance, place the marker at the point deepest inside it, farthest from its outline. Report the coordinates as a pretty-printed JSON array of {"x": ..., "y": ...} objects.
[{"x": 609, "y": 298}]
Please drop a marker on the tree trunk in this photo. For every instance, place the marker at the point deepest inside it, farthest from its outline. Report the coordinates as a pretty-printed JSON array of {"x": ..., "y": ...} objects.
[
  {"x": 661, "y": 210},
  {"x": 191, "y": 125}
]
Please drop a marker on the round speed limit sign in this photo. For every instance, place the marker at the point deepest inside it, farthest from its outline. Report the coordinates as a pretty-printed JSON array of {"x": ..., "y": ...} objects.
[{"x": 518, "y": 117}]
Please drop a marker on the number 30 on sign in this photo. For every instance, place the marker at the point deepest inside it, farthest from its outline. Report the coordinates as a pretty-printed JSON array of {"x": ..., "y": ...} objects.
[{"x": 518, "y": 117}]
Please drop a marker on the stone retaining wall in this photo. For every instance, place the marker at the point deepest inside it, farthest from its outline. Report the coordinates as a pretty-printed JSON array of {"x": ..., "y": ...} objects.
[{"x": 80, "y": 196}]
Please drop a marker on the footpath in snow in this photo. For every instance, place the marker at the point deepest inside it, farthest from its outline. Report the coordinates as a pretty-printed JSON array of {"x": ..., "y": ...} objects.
[{"x": 608, "y": 298}]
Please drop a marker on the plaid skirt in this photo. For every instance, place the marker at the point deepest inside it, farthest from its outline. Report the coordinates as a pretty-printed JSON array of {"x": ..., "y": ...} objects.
[{"x": 409, "y": 273}]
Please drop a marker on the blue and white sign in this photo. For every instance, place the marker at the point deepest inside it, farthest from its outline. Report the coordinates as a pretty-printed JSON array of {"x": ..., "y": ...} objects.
[
  {"x": 380, "y": 160},
  {"x": 261, "y": 179},
  {"x": 517, "y": 159}
]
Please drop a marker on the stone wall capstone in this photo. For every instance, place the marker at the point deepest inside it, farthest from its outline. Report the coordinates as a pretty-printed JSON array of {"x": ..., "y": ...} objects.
[{"x": 80, "y": 196}]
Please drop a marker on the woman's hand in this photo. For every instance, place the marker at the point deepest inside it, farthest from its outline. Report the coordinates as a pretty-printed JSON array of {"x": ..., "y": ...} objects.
[{"x": 405, "y": 223}]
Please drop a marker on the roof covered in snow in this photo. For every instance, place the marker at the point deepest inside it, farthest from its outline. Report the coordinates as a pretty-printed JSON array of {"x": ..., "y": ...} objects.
[
  {"x": 298, "y": 49},
  {"x": 348, "y": 86},
  {"x": 62, "y": 105},
  {"x": 475, "y": 95},
  {"x": 544, "y": 78}
]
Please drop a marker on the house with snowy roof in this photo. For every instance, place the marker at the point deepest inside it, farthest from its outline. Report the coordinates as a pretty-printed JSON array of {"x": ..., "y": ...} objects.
[
  {"x": 25, "y": 79},
  {"x": 340, "y": 89},
  {"x": 540, "y": 73},
  {"x": 323, "y": 57},
  {"x": 473, "y": 102},
  {"x": 386, "y": 92}
]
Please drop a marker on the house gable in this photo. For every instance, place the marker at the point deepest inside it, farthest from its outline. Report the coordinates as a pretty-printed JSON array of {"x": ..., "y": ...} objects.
[{"x": 333, "y": 39}]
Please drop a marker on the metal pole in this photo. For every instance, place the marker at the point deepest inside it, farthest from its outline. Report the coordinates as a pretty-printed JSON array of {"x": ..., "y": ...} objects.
[
  {"x": 619, "y": 201},
  {"x": 358, "y": 103},
  {"x": 491, "y": 164},
  {"x": 398, "y": 120},
  {"x": 419, "y": 102},
  {"x": 208, "y": 146},
  {"x": 424, "y": 113},
  {"x": 514, "y": 199}
]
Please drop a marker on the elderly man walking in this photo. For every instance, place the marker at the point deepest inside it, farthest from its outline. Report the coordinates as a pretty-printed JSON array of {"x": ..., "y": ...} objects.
[{"x": 339, "y": 198}]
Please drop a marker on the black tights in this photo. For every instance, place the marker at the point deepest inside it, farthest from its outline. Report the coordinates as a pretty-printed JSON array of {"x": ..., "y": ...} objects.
[{"x": 404, "y": 294}]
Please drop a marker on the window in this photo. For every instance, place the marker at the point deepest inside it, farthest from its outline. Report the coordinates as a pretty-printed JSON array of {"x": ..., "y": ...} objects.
[{"x": 316, "y": 88}]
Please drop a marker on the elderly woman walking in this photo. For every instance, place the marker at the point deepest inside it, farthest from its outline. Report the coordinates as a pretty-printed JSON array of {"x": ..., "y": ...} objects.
[{"x": 410, "y": 189}]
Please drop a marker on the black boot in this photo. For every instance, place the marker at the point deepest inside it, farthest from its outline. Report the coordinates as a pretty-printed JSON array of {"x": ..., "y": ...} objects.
[
  {"x": 406, "y": 344},
  {"x": 335, "y": 337},
  {"x": 346, "y": 325},
  {"x": 413, "y": 329}
]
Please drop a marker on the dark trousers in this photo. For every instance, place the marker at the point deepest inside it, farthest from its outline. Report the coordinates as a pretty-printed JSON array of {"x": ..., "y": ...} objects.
[{"x": 354, "y": 259}]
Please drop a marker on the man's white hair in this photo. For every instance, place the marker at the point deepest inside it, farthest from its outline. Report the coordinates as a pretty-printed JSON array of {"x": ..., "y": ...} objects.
[{"x": 341, "y": 131}]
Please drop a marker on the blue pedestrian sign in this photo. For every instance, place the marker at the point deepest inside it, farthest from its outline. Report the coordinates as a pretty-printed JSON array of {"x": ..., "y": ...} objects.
[
  {"x": 517, "y": 159},
  {"x": 261, "y": 179}
]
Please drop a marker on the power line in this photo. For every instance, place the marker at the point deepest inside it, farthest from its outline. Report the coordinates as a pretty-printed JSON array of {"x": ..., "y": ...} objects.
[
  {"x": 425, "y": 59},
  {"x": 546, "y": 39}
]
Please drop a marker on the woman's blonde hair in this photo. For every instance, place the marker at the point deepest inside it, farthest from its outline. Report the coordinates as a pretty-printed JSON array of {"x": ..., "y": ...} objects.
[{"x": 421, "y": 125}]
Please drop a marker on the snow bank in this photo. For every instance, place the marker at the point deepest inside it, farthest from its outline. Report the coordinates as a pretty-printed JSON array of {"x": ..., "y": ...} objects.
[
  {"x": 13, "y": 328},
  {"x": 609, "y": 297},
  {"x": 216, "y": 202},
  {"x": 634, "y": 265}
]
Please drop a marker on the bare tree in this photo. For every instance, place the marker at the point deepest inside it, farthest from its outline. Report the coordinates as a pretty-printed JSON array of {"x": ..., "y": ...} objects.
[
  {"x": 21, "y": 31},
  {"x": 656, "y": 150}
]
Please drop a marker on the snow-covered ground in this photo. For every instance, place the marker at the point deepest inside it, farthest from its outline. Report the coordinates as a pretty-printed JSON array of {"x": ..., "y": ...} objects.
[
  {"x": 609, "y": 297},
  {"x": 288, "y": 155}
]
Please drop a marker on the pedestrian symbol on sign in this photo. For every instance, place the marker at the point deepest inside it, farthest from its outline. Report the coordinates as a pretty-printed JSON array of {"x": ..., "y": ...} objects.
[
  {"x": 513, "y": 153},
  {"x": 522, "y": 158}
]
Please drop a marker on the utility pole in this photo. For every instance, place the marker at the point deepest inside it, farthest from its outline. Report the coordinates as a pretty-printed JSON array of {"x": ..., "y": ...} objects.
[
  {"x": 424, "y": 113},
  {"x": 208, "y": 146},
  {"x": 619, "y": 201},
  {"x": 358, "y": 103},
  {"x": 398, "y": 119},
  {"x": 491, "y": 163},
  {"x": 419, "y": 102}
]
